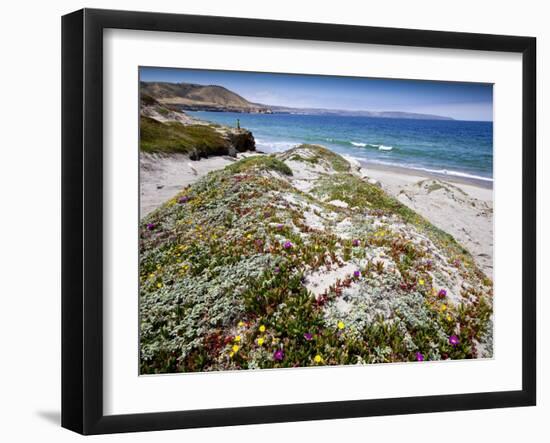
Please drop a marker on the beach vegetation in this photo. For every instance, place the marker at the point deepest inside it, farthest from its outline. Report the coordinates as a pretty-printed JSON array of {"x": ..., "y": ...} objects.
[{"x": 243, "y": 270}]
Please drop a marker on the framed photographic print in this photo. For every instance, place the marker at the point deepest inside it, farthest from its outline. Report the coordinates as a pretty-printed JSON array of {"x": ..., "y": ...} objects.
[{"x": 270, "y": 221}]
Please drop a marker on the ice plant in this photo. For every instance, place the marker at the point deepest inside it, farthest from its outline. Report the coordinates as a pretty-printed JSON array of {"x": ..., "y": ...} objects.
[
  {"x": 308, "y": 336},
  {"x": 237, "y": 338},
  {"x": 151, "y": 226},
  {"x": 261, "y": 341},
  {"x": 356, "y": 274},
  {"x": 278, "y": 355},
  {"x": 341, "y": 325},
  {"x": 421, "y": 282},
  {"x": 453, "y": 340},
  {"x": 262, "y": 328},
  {"x": 287, "y": 245},
  {"x": 419, "y": 356},
  {"x": 442, "y": 293},
  {"x": 317, "y": 358},
  {"x": 235, "y": 348}
]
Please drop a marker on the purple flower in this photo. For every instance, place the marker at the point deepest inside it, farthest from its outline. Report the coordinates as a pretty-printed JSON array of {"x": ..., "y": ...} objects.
[
  {"x": 276, "y": 270},
  {"x": 287, "y": 245},
  {"x": 151, "y": 226},
  {"x": 356, "y": 274},
  {"x": 355, "y": 242},
  {"x": 308, "y": 336},
  {"x": 429, "y": 262},
  {"x": 419, "y": 356},
  {"x": 442, "y": 293},
  {"x": 453, "y": 340},
  {"x": 278, "y": 355},
  {"x": 279, "y": 226},
  {"x": 183, "y": 199},
  {"x": 259, "y": 242}
]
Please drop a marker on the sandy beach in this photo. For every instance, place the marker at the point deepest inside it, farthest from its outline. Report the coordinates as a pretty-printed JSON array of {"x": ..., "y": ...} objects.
[{"x": 463, "y": 208}]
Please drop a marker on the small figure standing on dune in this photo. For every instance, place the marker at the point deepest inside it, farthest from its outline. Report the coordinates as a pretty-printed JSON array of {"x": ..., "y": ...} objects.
[{"x": 192, "y": 168}]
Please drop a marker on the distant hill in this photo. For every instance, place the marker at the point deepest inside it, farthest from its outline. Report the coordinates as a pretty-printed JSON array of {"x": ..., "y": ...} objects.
[
  {"x": 200, "y": 97},
  {"x": 194, "y": 97}
]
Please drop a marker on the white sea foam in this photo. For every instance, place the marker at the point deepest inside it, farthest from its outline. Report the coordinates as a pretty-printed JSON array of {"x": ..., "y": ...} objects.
[
  {"x": 434, "y": 171},
  {"x": 385, "y": 148},
  {"x": 358, "y": 144}
]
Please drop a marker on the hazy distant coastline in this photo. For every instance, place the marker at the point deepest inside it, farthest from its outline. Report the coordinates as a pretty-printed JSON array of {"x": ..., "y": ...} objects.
[{"x": 214, "y": 98}]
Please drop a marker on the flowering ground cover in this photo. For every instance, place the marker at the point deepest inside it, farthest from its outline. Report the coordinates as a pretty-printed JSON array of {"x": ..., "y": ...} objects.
[{"x": 294, "y": 259}]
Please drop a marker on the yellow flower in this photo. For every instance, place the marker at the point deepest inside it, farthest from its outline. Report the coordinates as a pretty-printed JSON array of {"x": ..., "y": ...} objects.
[
  {"x": 421, "y": 282},
  {"x": 341, "y": 325},
  {"x": 159, "y": 285},
  {"x": 249, "y": 236},
  {"x": 262, "y": 328},
  {"x": 261, "y": 341},
  {"x": 317, "y": 358},
  {"x": 241, "y": 324},
  {"x": 237, "y": 338},
  {"x": 443, "y": 308},
  {"x": 235, "y": 348},
  {"x": 449, "y": 318},
  {"x": 231, "y": 354}
]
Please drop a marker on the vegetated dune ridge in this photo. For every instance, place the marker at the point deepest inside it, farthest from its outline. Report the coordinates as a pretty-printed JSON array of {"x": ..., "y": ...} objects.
[{"x": 295, "y": 259}]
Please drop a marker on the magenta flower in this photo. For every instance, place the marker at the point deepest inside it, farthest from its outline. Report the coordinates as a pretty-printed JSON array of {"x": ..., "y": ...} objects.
[
  {"x": 442, "y": 293},
  {"x": 278, "y": 355},
  {"x": 419, "y": 356},
  {"x": 308, "y": 336},
  {"x": 183, "y": 199},
  {"x": 151, "y": 226},
  {"x": 356, "y": 274},
  {"x": 453, "y": 340},
  {"x": 287, "y": 245},
  {"x": 355, "y": 242}
]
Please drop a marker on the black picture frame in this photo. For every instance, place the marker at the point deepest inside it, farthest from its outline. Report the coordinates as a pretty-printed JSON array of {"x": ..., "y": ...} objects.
[{"x": 82, "y": 215}]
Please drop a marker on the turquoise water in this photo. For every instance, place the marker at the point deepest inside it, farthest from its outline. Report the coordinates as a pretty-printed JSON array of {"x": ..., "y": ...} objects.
[{"x": 457, "y": 148}]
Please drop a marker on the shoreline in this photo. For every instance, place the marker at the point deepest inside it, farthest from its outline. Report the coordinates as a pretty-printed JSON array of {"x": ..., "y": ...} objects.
[{"x": 469, "y": 181}]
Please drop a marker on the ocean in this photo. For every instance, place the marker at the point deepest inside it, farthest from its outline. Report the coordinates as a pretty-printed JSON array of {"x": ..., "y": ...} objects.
[{"x": 450, "y": 147}]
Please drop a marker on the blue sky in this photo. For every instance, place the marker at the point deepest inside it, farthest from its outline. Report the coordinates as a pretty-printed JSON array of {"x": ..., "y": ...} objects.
[{"x": 462, "y": 101}]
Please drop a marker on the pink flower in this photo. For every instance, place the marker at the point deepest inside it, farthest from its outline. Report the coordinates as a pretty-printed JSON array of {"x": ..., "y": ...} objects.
[
  {"x": 356, "y": 274},
  {"x": 419, "y": 356},
  {"x": 442, "y": 293},
  {"x": 308, "y": 336},
  {"x": 278, "y": 355},
  {"x": 287, "y": 245},
  {"x": 151, "y": 226},
  {"x": 355, "y": 242},
  {"x": 453, "y": 340}
]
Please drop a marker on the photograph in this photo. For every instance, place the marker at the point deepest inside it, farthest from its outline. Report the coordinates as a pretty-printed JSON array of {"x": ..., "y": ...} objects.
[{"x": 294, "y": 221}]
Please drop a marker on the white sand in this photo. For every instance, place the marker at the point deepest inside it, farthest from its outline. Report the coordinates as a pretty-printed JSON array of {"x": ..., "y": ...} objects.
[{"x": 462, "y": 209}]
